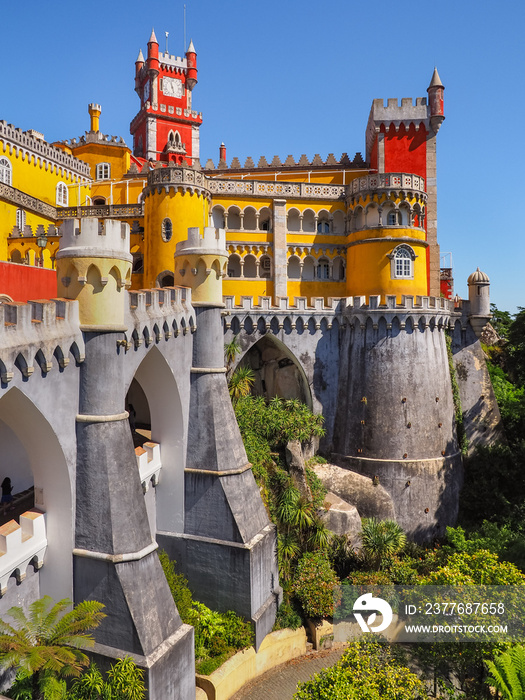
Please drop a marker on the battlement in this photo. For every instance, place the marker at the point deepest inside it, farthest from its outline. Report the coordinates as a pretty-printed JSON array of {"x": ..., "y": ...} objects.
[
  {"x": 94, "y": 238},
  {"x": 340, "y": 304},
  {"x": 317, "y": 162},
  {"x": 37, "y": 332},
  {"x": 167, "y": 60},
  {"x": 405, "y": 109},
  {"x": 213, "y": 242},
  {"x": 95, "y": 137},
  {"x": 38, "y": 147},
  {"x": 149, "y": 464},
  {"x": 21, "y": 545},
  {"x": 156, "y": 314},
  {"x": 174, "y": 177}
]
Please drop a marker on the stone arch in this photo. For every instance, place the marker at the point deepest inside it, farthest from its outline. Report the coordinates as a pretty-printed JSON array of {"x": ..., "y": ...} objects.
[
  {"x": 218, "y": 217},
  {"x": 165, "y": 279},
  {"x": 234, "y": 219},
  {"x": 265, "y": 219},
  {"x": 293, "y": 220},
  {"x": 93, "y": 278},
  {"x": 234, "y": 266},
  {"x": 277, "y": 370},
  {"x": 158, "y": 387},
  {"x": 250, "y": 220},
  {"x": 372, "y": 215},
  {"x": 250, "y": 266},
  {"x": 338, "y": 222},
  {"x": 40, "y": 461},
  {"x": 308, "y": 268},
  {"x": 294, "y": 268},
  {"x": 308, "y": 221}
]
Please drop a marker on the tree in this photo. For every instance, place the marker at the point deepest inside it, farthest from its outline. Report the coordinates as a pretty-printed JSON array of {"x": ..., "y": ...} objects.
[
  {"x": 381, "y": 539},
  {"x": 516, "y": 337},
  {"x": 507, "y": 673},
  {"x": 45, "y": 642},
  {"x": 231, "y": 350},
  {"x": 240, "y": 383}
]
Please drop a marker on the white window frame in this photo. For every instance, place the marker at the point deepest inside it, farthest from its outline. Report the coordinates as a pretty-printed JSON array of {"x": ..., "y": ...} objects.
[
  {"x": 6, "y": 171},
  {"x": 402, "y": 261},
  {"x": 103, "y": 171},
  {"x": 62, "y": 195},
  {"x": 21, "y": 219}
]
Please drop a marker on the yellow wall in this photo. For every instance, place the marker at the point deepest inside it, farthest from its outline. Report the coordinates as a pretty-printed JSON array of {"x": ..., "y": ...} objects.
[
  {"x": 368, "y": 269},
  {"x": 185, "y": 211}
]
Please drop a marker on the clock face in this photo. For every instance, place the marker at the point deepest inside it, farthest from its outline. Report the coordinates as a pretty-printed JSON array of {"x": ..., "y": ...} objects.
[
  {"x": 146, "y": 91},
  {"x": 172, "y": 87}
]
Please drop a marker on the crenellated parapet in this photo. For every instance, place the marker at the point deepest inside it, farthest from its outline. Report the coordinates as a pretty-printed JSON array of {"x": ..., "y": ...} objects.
[
  {"x": 424, "y": 312},
  {"x": 329, "y": 163},
  {"x": 156, "y": 315},
  {"x": 21, "y": 545},
  {"x": 39, "y": 334},
  {"x": 396, "y": 113},
  {"x": 28, "y": 145}
]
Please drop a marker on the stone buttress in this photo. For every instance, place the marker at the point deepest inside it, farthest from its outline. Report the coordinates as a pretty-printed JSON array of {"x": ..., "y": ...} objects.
[
  {"x": 228, "y": 549},
  {"x": 115, "y": 561}
]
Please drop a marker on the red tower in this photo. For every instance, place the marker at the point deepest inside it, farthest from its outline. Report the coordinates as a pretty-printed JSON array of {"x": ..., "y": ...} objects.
[
  {"x": 166, "y": 128},
  {"x": 401, "y": 138}
]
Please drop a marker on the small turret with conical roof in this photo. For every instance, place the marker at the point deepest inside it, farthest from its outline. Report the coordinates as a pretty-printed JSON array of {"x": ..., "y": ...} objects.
[
  {"x": 191, "y": 75},
  {"x": 479, "y": 298},
  {"x": 435, "y": 97}
]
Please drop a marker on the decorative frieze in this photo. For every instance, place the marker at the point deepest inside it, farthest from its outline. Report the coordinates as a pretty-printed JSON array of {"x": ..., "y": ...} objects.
[
  {"x": 387, "y": 181},
  {"x": 290, "y": 190}
]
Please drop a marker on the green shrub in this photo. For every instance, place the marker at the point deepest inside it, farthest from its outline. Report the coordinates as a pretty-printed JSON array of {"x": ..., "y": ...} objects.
[
  {"x": 368, "y": 670},
  {"x": 314, "y": 584},
  {"x": 287, "y": 617},
  {"x": 178, "y": 586}
]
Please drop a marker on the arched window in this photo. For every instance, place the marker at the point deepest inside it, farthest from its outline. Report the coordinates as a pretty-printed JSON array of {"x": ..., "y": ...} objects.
[
  {"x": 294, "y": 268},
  {"x": 138, "y": 263},
  {"x": 99, "y": 201},
  {"x": 393, "y": 218},
  {"x": 323, "y": 269},
  {"x": 167, "y": 230},
  {"x": 234, "y": 266},
  {"x": 250, "y": 266},
  {"x": 323, "y": 226},
  {"x": 402, "y": 262},
  {"x": 20, "y": 219},
  {"x": 5, "y": 171},
  {"x": 103, "y": 171},
  {"x": 61, "y": 195}
]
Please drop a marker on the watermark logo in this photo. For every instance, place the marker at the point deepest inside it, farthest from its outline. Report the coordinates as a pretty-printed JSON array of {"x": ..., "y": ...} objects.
[{"x": 367, "y": 603}]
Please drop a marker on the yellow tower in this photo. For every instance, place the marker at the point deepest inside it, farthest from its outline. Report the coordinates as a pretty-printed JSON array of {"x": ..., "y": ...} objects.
[
  {"x": 175, "y": 200},
  {"x": 201, "y": 263},
  {"x": 94, "y": 266},
  {"x": 387, "y": 249}
]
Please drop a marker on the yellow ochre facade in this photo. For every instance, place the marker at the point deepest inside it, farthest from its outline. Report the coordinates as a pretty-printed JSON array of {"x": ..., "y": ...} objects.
[{"x": 306, "y": 228}]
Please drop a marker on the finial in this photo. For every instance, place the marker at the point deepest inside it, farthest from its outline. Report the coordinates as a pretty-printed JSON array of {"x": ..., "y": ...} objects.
[
  {"x": 436, "y": 80},
  {"x": 191, "y": 48},
  {"x": 153, "y": 38},
  {"x": 140, "y": 57}
]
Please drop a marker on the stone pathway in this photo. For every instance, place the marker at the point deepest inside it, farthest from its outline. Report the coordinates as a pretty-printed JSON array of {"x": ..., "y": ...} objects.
[{"x": 281, "y": 682}]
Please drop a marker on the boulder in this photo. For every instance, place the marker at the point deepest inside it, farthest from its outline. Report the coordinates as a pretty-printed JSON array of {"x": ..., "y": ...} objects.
[
  {"x": 370, "y": 499},
  {"x": 342, "y": 518}
]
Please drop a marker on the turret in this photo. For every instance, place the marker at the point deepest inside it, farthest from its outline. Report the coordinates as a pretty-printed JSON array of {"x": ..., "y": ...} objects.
[
  {"x": 479, "y": 298},
  {"x": 435, "y": 97},
  {"x": 153, "y": 66},
  {"x": 94, "y": 266},
  {"x": 191, "y": 57},
  {"x": 139, "y": 65},
  {"x": 200, "y": 263},
  {"x": 94, "y": 112}
]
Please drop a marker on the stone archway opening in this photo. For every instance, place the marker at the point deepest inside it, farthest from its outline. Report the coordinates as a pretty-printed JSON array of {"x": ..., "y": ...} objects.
[
  {"x": 277, "y": 371},
  {"x": 34, "y": 460},
  {"x": 155, "y": 398}
]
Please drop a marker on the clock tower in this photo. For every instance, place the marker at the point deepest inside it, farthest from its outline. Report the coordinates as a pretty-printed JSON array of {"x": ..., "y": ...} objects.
[{"x": 166, "y": 128}]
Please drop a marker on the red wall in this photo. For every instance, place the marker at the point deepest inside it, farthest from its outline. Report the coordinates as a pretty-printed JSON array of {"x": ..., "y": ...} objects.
[
  {"x": 406, "y": 152},
  {"x": 22, "y": 282}
]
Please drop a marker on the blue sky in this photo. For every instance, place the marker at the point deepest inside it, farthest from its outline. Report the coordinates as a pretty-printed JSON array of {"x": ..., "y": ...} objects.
[{"x": 298, "y": 76}]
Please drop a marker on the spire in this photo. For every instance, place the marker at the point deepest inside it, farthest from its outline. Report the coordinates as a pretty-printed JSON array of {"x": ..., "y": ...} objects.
[
  {"x": 436, "y": 80},
  {"x": 153, "y": 38},
  {"x": 140, "y": 57},
  {"x": 191, "y": 48}
]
